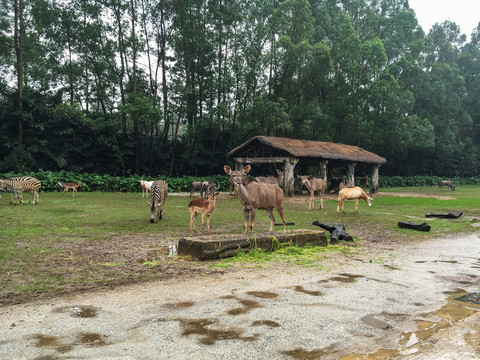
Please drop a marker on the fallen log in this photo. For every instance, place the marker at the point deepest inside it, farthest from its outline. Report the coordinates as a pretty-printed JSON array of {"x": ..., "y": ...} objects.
[
  {"x": 410, "y": 225},
  {"x": 337, "y": 231},
  {"x": 454, "y": 215}
]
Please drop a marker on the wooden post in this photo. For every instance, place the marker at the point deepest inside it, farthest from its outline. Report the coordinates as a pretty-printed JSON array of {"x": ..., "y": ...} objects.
[
  {"x": 289, "y": 176},
  {"x": 374, "y": 183},
  {"x": 351, "y": 173},
  {"x": 322, "y": 172}
]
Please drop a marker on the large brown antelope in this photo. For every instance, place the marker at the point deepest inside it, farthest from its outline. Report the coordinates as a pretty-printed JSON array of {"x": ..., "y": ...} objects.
[
  {"x": 255, "y": 195},
  {"x": 356, "y": 193},
  {"x": 204, "y": 207},
  {"x": 279, "y": 180},
  {"x": 313, "y": 184}
]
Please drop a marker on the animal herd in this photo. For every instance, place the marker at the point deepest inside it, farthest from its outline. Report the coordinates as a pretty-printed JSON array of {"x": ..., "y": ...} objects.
[{"x": 264, "y": 193}]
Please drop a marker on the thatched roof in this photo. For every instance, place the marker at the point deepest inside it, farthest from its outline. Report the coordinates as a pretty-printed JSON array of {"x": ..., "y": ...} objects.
[{"x": 268, "y": 146}]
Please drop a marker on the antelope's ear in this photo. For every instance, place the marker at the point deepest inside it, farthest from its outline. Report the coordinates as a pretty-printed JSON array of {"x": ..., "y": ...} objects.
[
  {"x": 246, "y": 169},
  {"x": 227, "y": 169}
]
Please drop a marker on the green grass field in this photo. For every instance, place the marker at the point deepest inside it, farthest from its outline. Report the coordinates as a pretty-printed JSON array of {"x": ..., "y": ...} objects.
[{"x": 107, "y": 238}]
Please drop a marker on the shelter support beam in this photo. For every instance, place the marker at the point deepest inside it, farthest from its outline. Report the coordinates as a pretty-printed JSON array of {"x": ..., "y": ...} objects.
[
  {"x": 322, "y": 172},
  {"x": 289, "y": 176},
  {"x": 351, "y": 173},
  {"x": 374, "y": 183}
]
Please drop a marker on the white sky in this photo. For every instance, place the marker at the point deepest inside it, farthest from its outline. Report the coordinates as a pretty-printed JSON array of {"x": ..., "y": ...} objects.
[{"x": 465, "y": 13}]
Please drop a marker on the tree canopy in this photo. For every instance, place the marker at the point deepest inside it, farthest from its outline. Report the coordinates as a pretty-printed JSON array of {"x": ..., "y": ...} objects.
[{"x": 170, "y": 86}]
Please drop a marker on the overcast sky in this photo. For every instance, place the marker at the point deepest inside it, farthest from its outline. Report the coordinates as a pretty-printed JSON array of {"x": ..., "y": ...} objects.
[{"x": 465, "y": 13}]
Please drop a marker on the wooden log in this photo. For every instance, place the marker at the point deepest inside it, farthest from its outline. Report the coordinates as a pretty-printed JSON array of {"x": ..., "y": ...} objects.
[
  {"x": 410, "y": 225},
  {"x": 337, "y": 231},
  {"x": 454, "y": 215},
  {"x": 222, "y": 246}
]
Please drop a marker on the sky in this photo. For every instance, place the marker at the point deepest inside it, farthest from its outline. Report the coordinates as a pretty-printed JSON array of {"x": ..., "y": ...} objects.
[{"x": 465, "y": 13}]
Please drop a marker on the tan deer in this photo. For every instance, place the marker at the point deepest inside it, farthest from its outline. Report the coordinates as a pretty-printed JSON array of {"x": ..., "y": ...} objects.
[
  {"x": 204, "y": 207},
  {"x": 279, "y": 180},
  {"x": 356, "y": 193},
  {"x": 313, "y": 184},
  {"x": 254, "y": 195},
  {"x": 68, "y": 186}
]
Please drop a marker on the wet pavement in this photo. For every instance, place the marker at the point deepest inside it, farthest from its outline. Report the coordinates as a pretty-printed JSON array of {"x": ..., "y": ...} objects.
[{"x": 418, "y": 302}]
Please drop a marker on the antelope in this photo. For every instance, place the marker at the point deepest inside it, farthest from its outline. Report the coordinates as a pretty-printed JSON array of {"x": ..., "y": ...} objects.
[
  {"x": 68, "y": 186},
  {"x": 206, "y": 188},
  {"x": 204, "y": 207},
  {"x": 313, "y": 184},
  {"x": 356, "y": 193},
  {"x": 146, "y": 187},
  {"x": 196, "y": 185},
  {"x": 279, "y": 180},
  {"x": 364, "y": 182},
  {"x": 447, "y": 183},
  {"x": 231, "y": 181},
  {"x": 254, "y": 195}
]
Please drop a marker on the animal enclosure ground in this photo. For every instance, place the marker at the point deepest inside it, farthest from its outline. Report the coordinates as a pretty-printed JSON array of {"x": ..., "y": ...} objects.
[{"x": 105, "y": 240}]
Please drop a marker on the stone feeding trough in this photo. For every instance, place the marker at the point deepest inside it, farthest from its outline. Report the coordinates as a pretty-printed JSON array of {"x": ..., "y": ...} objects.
[{"x": 223, "y": 246}]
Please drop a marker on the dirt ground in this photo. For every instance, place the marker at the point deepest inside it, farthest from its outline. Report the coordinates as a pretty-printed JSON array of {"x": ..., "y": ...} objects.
[{"x": 124, "y": 263}]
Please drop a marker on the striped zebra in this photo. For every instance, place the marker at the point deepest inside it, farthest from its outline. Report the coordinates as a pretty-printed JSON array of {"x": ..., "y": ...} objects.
[
  {"x": 20, "y": 184},
  {"x": 158, "y": 194}
]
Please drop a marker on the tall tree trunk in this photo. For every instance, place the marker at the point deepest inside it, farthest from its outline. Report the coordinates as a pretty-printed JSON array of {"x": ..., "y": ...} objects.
[
  {"x": 134, "y": 84},
  {"x": 18, "y": 39}
]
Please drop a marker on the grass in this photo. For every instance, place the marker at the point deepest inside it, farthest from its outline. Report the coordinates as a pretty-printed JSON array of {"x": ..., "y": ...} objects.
[{"x": 103, "y": 238}]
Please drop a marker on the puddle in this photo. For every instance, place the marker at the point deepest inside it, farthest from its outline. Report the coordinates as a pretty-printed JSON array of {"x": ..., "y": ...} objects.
[
  {"x": 248, "y": 305},
  {"x": 430, "y": 325},
  {"x": 210, "y": 336},
  {"x": 180, "y": 305},
  {"x": 345, "y": 278},
  {"x": 83, "y": 312},
  {"x": 269, "y": 323},
  {"x": 263, "y": 294},
  {"x": 308, "y": 292},
  {"x": 50, "y": 341},
  {"x": 302, "y": 354},
  {"x": 374, "y": 321},
  {"x": 92, "y": 339}
]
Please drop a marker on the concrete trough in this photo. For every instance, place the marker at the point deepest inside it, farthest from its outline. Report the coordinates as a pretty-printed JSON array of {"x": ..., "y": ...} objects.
[{"x": 223, "y": 246}]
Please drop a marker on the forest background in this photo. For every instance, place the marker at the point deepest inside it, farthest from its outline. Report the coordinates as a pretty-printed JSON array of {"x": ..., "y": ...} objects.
[{"x": 168, "y": 87}]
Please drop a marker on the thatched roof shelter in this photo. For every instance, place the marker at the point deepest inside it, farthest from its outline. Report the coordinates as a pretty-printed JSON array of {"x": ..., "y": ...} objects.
[
  {"x": 271, "y": 147},
  {"x": 268, "y": 149}
]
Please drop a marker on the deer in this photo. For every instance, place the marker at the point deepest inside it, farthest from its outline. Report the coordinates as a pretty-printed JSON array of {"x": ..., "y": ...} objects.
[
  {"x": 146, "y": 187},
  {"x": 279, "y": 180},
  {"x": 255, "y": 195},
  {"x": 447, "y": 183},
  {"x": 356, "y": 193},
  {"x": 204, "y": 207},
  {"x": 231, "y": 181},
  {"x": 196, "y": 185},
  {"x": 68, "y": 186},
  {"x": 313, "y": 185}
]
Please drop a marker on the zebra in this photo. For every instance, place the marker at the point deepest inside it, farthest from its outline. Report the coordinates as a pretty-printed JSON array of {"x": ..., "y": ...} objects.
[
  {"x": 20, "y": 184},
  {"x": 158, "y": 194}
]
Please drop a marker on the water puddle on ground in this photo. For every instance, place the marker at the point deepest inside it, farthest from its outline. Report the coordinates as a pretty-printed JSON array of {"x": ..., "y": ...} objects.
[
  {"x": 302, "y": 354},
  {"x": 53, "y": 342},
  {"x": 248, "y": 305},
  {"x": 180, "y": 305},
  {"x": 269, "y": 323},
  {"x": 83, "y": 312},
  {"x": 459, "y": 306},
  {"x": 91, "y": 339},
  {"x": 209, "y": 336},
  {"x": 263, "y": 294},
  {"x": 344, "y": 278},
  {"x": 308, "y": 292}
]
